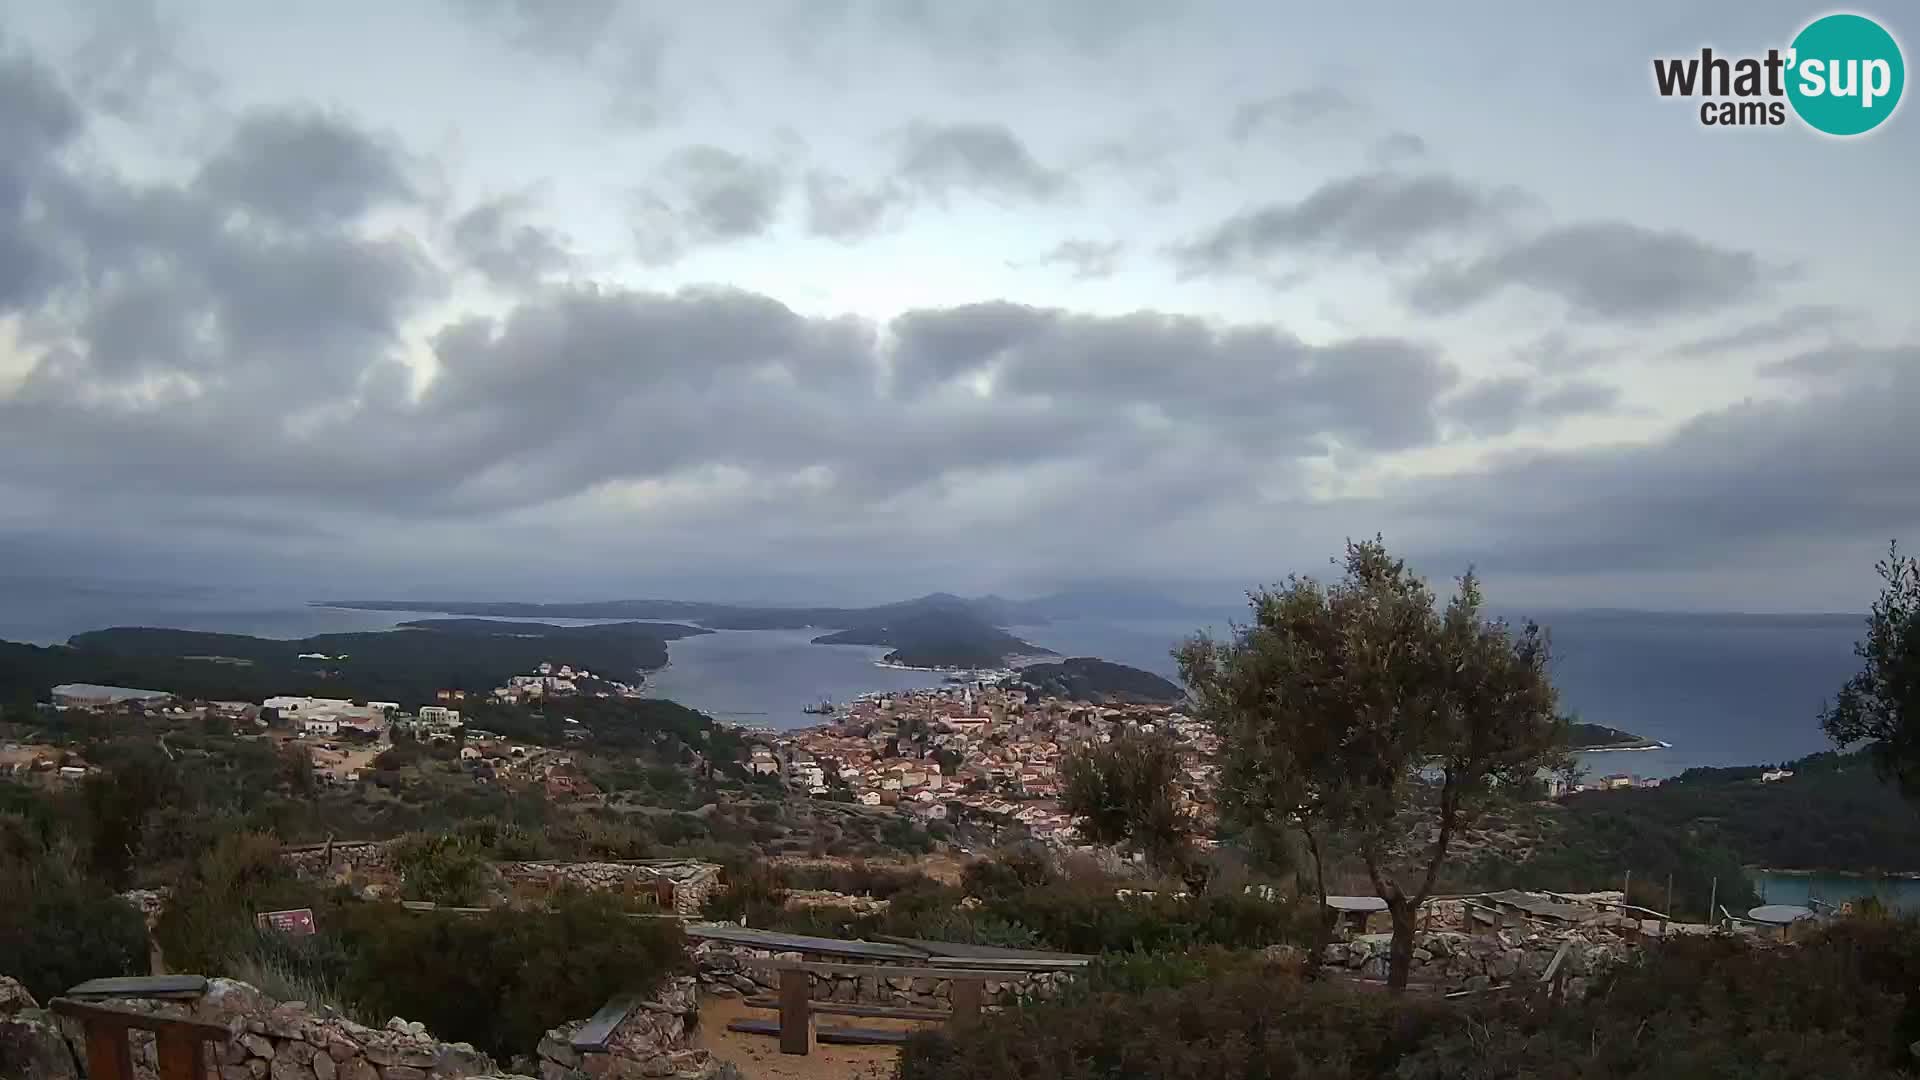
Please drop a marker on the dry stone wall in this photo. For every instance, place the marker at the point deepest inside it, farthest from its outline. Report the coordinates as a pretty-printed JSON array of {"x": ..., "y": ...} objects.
[
  {"x": 726, "y": 970},
  {"x": 688, "y": 881},
  {"x": 655, "y": 1040},
  {"x": 1455, "y": 961}
]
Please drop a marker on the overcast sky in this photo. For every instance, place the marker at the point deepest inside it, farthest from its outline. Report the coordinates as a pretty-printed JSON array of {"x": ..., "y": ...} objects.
[{"x": 837, "y": 300}]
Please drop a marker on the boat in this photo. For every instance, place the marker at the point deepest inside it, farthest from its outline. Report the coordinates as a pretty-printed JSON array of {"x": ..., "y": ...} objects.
[{"x": 825, "y": 708}]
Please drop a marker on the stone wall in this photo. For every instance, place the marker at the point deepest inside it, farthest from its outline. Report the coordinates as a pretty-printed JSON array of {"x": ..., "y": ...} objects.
[
  {"x": 724, "y": 970},
  {"x": 690, "y": 881},
  {"x": 270, "y": 1040},
  {"x": 336, "y": 859},
  {"x": 1455, "y": 961},
  {"x": 655, "y": 1040}
]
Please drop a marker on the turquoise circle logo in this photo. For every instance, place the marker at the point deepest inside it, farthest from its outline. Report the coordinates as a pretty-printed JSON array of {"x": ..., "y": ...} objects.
[{"x": 1846, "y": 74}]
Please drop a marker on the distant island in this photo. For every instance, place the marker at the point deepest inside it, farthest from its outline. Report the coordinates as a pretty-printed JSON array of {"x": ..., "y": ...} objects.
[
  {"x": 1595, "y": 737},
  {"x": 408, "y": 665},
  {"x": 1086, "y": 678},
  {"x": 938, "y": 638},
  {"x": 938, "y": 630}
]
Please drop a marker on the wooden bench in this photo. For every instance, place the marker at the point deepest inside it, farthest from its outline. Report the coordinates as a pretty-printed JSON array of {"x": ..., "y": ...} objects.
[
  {"x": 967, "y": 987},
  {"x": 180, "y": 1049}
]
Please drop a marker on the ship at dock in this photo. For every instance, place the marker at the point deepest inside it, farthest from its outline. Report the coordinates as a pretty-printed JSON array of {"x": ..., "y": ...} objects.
[{"x": 825, "y": 708}]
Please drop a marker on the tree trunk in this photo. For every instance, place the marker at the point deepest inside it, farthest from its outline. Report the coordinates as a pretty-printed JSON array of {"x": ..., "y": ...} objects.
[
  {"x": 1400, "y": 956},
  {"x": 1323, "y": 921}
]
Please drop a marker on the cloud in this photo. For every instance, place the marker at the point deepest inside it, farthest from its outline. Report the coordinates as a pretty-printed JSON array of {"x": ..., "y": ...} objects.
[
  {"x": 1489, "y": 408},
  {"x": 559, "y": 29},
  {"x": 1397, "y": 149},
  {"x": 1090, "y": 260},
  {"x": 986, "y": 159},
  {"x": 1842, "y": 363},
  {"x": 1556, "y": 353},
  {"x": 705, "y": 195},
  {"x": 1296, "y": 108},
  {"x": 493, "y": 239},
  {"x": 1831, "y": 468},
  {"x": 839, "y": 209},
  {"x": 130, "y": 61},
  {"x": 1798, "y": 321},
  {"x": 1603, "y": 271},
  {"x": 1382, "y": 214},
  {"x": 37, "y": 117},
  {"x": 301, "y": 167}
]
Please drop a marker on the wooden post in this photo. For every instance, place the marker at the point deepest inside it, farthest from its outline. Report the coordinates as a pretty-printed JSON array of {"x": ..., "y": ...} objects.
[
  {"x": 1713, "y": 904},
  {"x": 1668, "y": 910},
  {"x": 1626, "y": 890},
  {"x": 796, "y": 1025},
  {"x": 181, "y": 1053},
  {"x": 966, "y": 1001},
  {"x": 108, "y": 1055}
]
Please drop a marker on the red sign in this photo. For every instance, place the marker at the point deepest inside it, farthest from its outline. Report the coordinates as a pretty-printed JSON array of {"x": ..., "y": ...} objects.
[{"x": 298, "y": 922}]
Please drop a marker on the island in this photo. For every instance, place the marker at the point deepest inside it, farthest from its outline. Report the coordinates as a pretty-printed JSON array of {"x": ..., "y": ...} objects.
[
  {"x": 937, "y": 639},
  {"x": 1590, "y": 737},
  {"x": 1087, "y": 678},
  {"x": 409, "y": 665}
]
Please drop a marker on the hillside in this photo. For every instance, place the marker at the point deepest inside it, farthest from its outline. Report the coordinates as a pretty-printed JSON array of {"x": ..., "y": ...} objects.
[
  {"x": 407, "y": 665},
  {"x": 951, "y": 638},
  {"x": 712, "y": 616},
  {"x": 1086, "y": 678},
  {"x": 1598, "y": 737}
]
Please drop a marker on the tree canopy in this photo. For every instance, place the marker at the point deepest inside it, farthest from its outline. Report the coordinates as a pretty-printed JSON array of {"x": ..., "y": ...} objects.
[
  {"x": 1880, "y": 705},
  {"x": 1359, "y": 707}
]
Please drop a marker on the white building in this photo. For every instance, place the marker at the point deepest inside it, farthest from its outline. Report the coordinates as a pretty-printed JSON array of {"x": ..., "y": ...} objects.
[
  {"x": 290, "y": 706},
  {"x": 320, "y": 725},
  {"x": 438, "y": 717},
  {"x": 1771, "y": 775}
]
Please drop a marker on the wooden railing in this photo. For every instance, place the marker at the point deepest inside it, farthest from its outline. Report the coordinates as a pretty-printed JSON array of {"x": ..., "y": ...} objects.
[{"x": 966, "y": 990}]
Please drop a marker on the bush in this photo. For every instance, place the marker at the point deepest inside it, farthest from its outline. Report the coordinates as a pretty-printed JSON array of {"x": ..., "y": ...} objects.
[
  {"x": 1842, "y": 1004},
  {"x": 501, "y": 979},
  {"x": 443, "y": 869},
  {"x": 209, "y": 920},
  {"x": 59, "y": 928}
]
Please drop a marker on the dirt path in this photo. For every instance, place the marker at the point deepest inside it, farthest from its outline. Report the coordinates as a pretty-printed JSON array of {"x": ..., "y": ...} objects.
[{"x": 759, "y": 1056}]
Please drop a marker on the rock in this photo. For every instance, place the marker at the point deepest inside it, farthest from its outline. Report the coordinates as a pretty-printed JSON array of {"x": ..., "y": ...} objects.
[
  {"x": 1478, "y": 982},
  {"x": 257, "y": 1045},
  {"x": 258, "y": 1067},
  {"x": 459, "y": 1059},
  {"x": 235, "y": 1072},
  {"x": 657, "y": 1066},
  {"x": 324, "y": 1067},
  {"x": 14, "y": 997},
  {"x": 285, "y": 1068},
  {"x": 551, "y": 1070},
  {"x": 1423, "y": 955},
  {"x": 340, "y": 1050},
  {"x": 723, "y": 990},
  {"x": 399, "y": 1072},
  {"x": 554, "y": 1048},
  {"x": 299, "y": 1053},
  {"x": 1504, "y": 965},
  {"x": 32, "y": 1046}
]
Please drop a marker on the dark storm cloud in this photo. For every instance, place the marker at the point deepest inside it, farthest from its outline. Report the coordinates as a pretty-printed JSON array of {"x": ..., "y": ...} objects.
[
  {"x": 1296, "y": 108},
  {"x": 840, "y": 209},
  {"x": 703, "y": 195},
  {"x": 36, "y": 117},
  {"x": 494, "y": 239},
  {"x": 1603, "y": 271},
  {"x": 1256, "y": 382},
  {"x": 1795, "y": 322},
  {"x": 1834, "y": 466},
  {"x": 987, "y": 159},
  {"x": 1398, "y": 148},
  {"x": 1842, "y": 363},
  {"x": 1489, "y": 408},
  {"x": 1090, "y": 260},
  {"x": 1382, "y": 214},
  {"x": 302, "y": 167}
]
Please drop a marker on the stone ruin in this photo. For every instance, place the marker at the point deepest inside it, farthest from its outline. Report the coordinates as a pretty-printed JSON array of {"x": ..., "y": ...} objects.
[
  {"x": 725, "y": 970},
  {"x": 683, "y": 884},
  {"x": 273, "y": 1040},
  {"x": 1449, "y": 960}
]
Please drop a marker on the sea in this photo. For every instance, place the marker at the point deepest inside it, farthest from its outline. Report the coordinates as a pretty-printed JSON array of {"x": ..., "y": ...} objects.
[{"x": 1718, "y": 689}]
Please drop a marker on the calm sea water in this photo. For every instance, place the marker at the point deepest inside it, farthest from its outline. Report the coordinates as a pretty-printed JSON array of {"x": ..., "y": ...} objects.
[
  {"x": 1723, "y": 690},
  {"x": 1901, "y": 894}
]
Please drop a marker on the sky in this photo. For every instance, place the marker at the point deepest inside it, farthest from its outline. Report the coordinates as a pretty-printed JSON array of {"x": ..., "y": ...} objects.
[{"x": 837, "y": 302}]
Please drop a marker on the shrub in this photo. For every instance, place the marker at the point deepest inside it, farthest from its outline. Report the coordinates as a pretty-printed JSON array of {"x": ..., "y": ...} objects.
[
  {"x": 443, "y": 869},
  {"x": 501, "y": 979},
  {"x": 209, "y": 920},
  {"x": 59, "y": 927}
]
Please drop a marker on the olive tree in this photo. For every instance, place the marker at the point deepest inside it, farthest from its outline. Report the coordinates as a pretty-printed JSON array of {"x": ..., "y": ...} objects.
[
  {"x": 1880, "y": 705},
  {"x": 1361, "y": 709},
  {"x": 1126, "y": 792}
]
